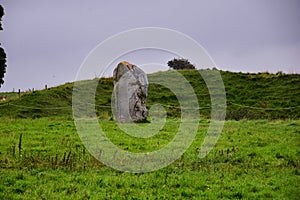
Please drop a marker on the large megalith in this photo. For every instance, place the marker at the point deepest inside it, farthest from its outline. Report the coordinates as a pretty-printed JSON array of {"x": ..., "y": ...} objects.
[{"x": 130, "y": 93}]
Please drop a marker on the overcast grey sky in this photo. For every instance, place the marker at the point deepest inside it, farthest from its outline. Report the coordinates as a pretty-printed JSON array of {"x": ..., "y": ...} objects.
[{"x": 46, "y": 41}]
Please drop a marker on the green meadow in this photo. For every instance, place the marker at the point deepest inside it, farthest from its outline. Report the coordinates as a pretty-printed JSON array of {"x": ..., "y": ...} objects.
[
  {"x": 256, "y": 157},
  {"x": 252, "y": 159}
]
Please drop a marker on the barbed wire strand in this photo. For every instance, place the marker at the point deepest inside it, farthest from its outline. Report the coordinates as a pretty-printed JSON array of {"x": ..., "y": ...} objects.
[
  {"x": 168, "y": 106},
  {"x": 40, "y": 108},
  {"x": 261, "y": 108}
]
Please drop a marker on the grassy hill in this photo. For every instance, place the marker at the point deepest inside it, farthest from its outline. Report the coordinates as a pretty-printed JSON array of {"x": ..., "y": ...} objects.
[
  {"x": 46, "y": 158},
  {"x": 249, "y": 96}
]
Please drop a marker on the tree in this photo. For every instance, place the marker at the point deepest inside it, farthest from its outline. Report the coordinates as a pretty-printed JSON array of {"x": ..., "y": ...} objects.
[
  {"x": 1, "y": 15},
  {"x": 2, "y": 52},
  {"x": 180, "y": 64},
  {"x": 2, "y": 65}
]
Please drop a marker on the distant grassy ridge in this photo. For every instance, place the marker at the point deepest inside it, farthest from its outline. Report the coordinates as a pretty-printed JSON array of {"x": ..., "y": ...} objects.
[{"x": 249, "y": 96}]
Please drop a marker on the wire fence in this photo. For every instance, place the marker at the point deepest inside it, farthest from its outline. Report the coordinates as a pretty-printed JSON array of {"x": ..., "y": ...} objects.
[{"x": 168, "y": 106}]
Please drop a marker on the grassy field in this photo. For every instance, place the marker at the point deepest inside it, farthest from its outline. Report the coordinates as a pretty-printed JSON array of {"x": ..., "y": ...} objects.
[
  {"x": 45, "y": 159},
  {"x": 256, "y": 157}
]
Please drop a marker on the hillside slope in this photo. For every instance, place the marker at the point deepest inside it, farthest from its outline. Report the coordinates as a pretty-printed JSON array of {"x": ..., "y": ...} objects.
[{"x": 249, "y": 96}]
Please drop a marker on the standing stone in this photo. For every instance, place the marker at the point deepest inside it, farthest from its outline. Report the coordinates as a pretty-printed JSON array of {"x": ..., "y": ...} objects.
[{"x": 130, "y": 93}]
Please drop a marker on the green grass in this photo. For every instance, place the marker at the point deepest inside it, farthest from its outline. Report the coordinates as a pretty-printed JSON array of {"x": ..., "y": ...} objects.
[
  {"x": 252, "y": 160},
  {"x": 42, "y": 156},
  {"x": 10, "y": 95},
  {"x": 249, "y": 96}
]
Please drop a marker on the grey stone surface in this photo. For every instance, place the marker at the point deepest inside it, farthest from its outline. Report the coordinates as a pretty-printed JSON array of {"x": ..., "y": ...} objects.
[{"x": 130, "y": 93}]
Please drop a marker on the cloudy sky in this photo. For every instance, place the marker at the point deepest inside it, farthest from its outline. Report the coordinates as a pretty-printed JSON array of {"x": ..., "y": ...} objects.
[{"x": 47, "y": 41}]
